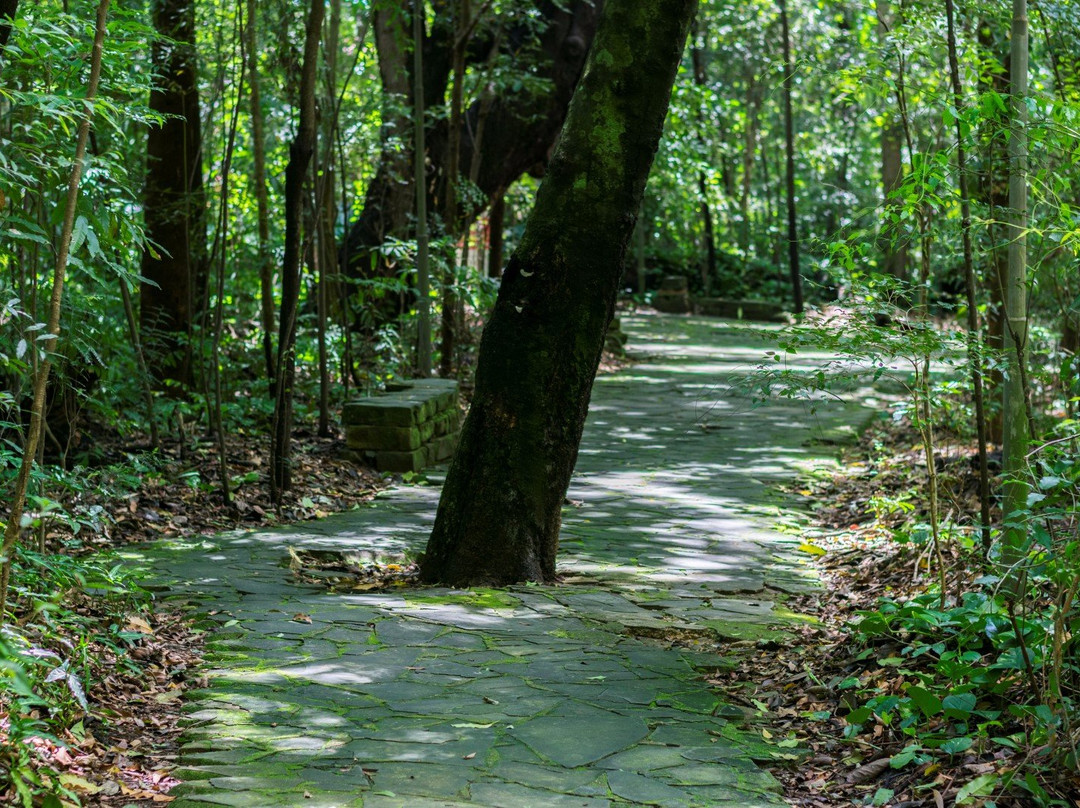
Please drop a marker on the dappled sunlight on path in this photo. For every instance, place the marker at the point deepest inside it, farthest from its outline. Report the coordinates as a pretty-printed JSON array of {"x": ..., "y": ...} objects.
[{"x": 533, "y": 695}]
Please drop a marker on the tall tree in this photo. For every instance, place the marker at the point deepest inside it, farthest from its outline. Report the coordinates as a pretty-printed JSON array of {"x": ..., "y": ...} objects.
[
  {"x": 463, "y": 25},
  {"x": 973, "y": 352},
  {"x": 174, "y": 206},
  {"x": 500, "y": 512},
  {"x": 262, "y": 197},
  {"x": 423, "y": 269},
  {"x": 300, "y": 152},
  {"x": 789, "y": 155},
  {"x": 894, "y": 249},
  {"x": 708, "y": 269},
  {"x": 1017, "y": 435}
]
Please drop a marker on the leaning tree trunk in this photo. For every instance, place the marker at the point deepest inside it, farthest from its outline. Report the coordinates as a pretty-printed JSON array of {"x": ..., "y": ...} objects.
[
  {"x": 500, "y": 513},
  {"x": 174, "y": 205}
]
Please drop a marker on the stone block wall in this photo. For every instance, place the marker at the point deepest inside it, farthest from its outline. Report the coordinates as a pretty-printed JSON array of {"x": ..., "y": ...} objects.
[
  {"x": 412, "y": 425},
  {"x": 673, "y": 297},
  {"x": 758, "y": 310}
]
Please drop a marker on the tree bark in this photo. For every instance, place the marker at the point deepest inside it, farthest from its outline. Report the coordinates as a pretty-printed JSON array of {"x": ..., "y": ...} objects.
[
  {"x": 789, "y": 154},
  {"x": 500, "y": 512},
  {"x": 174, "y": 205},
  {"x": 300, "y": 152}
]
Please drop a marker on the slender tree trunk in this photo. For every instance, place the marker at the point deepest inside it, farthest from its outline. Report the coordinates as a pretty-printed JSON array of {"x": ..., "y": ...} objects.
[
  {"x": 708, "y": 269},
  {"x": 994, "y": 192},
  {"x": 262, "y": 202},
  {"x": 974, "y": 341},
  {"x": 892, "y": 174},
  {"x": 41, "y": 378},
  {"x": 325, "y": 215},
  {"x": 140, "y": 359},
  {"x": 221, "y": 242},
  {"x": 448, "y": 343},
  {"x": 1017, "y": 437},
  {"x": 496, "y": 223},
  {"x": 789, "y": 153},
  {"x": 499, "y": 515},
  {"x": 750, "y": 136},
  {"x": 894, "y": 250},
  {"x": 639, "y": 248},
  {"x": 423, "y": 271},
  {"x": 303, "y": 146},
  {"x": 174, "y": 203}
]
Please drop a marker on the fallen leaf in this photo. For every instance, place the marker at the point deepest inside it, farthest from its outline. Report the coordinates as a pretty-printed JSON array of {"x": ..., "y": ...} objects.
[
  {"x": 136, "y": 623},
  {"x": 869, "y": 771},
  {"x": 76, "y": 783}
]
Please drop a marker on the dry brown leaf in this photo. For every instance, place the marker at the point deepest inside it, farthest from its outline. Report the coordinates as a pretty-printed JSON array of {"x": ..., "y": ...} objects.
[{"x": 869, "y": 771}]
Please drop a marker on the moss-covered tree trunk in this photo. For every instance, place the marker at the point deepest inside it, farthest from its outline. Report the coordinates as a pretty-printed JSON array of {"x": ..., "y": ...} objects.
[{"x": 500, "y": 513}]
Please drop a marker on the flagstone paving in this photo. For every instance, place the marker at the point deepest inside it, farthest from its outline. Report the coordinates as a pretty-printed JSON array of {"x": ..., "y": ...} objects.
[{"x": 534, "y": 695}]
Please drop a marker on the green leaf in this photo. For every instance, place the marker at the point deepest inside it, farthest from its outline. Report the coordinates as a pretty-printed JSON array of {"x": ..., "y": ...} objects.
[
  {"x": 959, "y": 705},
  {"x": 981, "y": 786},
  {"x": 859, "y": 716},
  {"x": 927, "y": 702},
  {"x": 956, "y": 745},
  {"x": 883, "y": 795},
  {"x": 904, "y": 758}
]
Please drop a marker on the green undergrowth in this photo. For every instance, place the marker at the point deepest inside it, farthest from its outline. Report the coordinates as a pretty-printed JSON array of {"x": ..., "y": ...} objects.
[{"x": 71, "y": 626}]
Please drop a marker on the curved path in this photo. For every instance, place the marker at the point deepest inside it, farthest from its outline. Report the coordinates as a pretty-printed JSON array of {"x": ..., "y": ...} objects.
[{"x": 533, "y": 696}]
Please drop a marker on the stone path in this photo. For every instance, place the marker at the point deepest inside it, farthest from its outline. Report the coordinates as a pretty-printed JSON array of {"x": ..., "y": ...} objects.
[{"x": 532, "y": 696}]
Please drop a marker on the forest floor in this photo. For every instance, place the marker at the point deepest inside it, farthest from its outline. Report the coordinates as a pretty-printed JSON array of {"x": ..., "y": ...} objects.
[
  {"x": 327, "y": 680},
  {"x": 323, "y": 688}
]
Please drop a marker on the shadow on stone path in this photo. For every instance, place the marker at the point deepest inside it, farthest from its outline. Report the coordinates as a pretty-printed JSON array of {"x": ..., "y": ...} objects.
[{"x": 532, "y": 696}]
